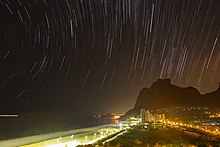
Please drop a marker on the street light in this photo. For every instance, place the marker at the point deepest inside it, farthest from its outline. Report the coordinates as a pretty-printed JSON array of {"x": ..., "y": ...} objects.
[
  {"x": 72, "y": 136},
  {"x": 120, "y": 125}
]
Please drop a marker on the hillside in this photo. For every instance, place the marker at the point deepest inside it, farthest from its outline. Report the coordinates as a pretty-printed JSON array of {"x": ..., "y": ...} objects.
[{"x": 162, "y": 94}]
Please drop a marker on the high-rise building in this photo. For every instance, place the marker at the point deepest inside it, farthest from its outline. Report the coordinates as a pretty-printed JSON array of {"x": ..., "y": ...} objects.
[
  {"x": 143, "y": 116},
  {"x": 148, "y": 116},
  {"x": 163, "y": 117},
  {"x": 160, "y": 117}
]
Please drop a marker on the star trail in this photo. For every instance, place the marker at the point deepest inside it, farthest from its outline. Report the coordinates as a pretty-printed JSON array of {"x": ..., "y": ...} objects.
[{"x": 71, "y": 53}]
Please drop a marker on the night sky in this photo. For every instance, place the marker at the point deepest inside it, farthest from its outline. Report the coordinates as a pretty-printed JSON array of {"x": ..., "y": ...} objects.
[{"x": 94, "y": 56}]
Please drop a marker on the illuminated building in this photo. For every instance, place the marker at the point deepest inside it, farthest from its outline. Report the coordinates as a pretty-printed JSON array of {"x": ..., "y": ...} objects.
[
  {"x": 148, "y": 116},
  {"x": 163, "y": 117},
  {"x": 143, "y": 116}
]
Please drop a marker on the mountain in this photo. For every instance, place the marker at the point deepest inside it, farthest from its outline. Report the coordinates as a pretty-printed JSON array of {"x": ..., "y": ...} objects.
[{"x": 162, "y": 94}]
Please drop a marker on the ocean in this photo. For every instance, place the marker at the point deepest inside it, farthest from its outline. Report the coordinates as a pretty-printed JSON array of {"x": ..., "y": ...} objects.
[{"x": 27, "y": 125}]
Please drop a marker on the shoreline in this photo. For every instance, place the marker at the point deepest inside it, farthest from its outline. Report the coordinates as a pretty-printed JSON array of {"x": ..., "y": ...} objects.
[{"x": 39, "y": 138}]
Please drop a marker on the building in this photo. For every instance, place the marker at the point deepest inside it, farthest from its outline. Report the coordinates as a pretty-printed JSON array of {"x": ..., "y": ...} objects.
[
  {"x": 143, "y": 116},
  {"x": 163, "y": 117},
  {"x": 146, "y": 116}
]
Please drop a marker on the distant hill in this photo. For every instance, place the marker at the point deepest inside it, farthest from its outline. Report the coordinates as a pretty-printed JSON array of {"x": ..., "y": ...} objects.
[{"x": 162, "y": 94}]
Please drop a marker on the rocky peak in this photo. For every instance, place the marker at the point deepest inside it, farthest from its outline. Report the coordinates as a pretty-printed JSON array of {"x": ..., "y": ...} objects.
[{"x": 164, "y": 94}]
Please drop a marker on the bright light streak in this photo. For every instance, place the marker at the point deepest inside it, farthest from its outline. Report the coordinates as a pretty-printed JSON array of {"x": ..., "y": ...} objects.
[
  {"x": 8, "y": 115},
  {"x": 69, "y": 144}
]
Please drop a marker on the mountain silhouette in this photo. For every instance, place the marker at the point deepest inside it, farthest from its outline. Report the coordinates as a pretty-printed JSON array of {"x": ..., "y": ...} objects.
[{"x": 162, "y": 94}]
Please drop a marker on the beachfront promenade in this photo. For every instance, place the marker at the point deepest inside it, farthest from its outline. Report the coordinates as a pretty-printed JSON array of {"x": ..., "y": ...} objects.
[{"x": 67, "y": 138}]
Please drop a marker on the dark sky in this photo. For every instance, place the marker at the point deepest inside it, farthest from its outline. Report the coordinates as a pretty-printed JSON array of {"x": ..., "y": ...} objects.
[{"x": 96, "y": 55}]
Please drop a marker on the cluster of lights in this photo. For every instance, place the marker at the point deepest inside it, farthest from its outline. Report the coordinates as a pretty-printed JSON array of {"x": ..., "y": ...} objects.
[
  {"x": 66, "y": 144},
  {"x": 89, "y": 139},
  {"x": 217, "y": 115},
  {"x": 215, "y": 131}
]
